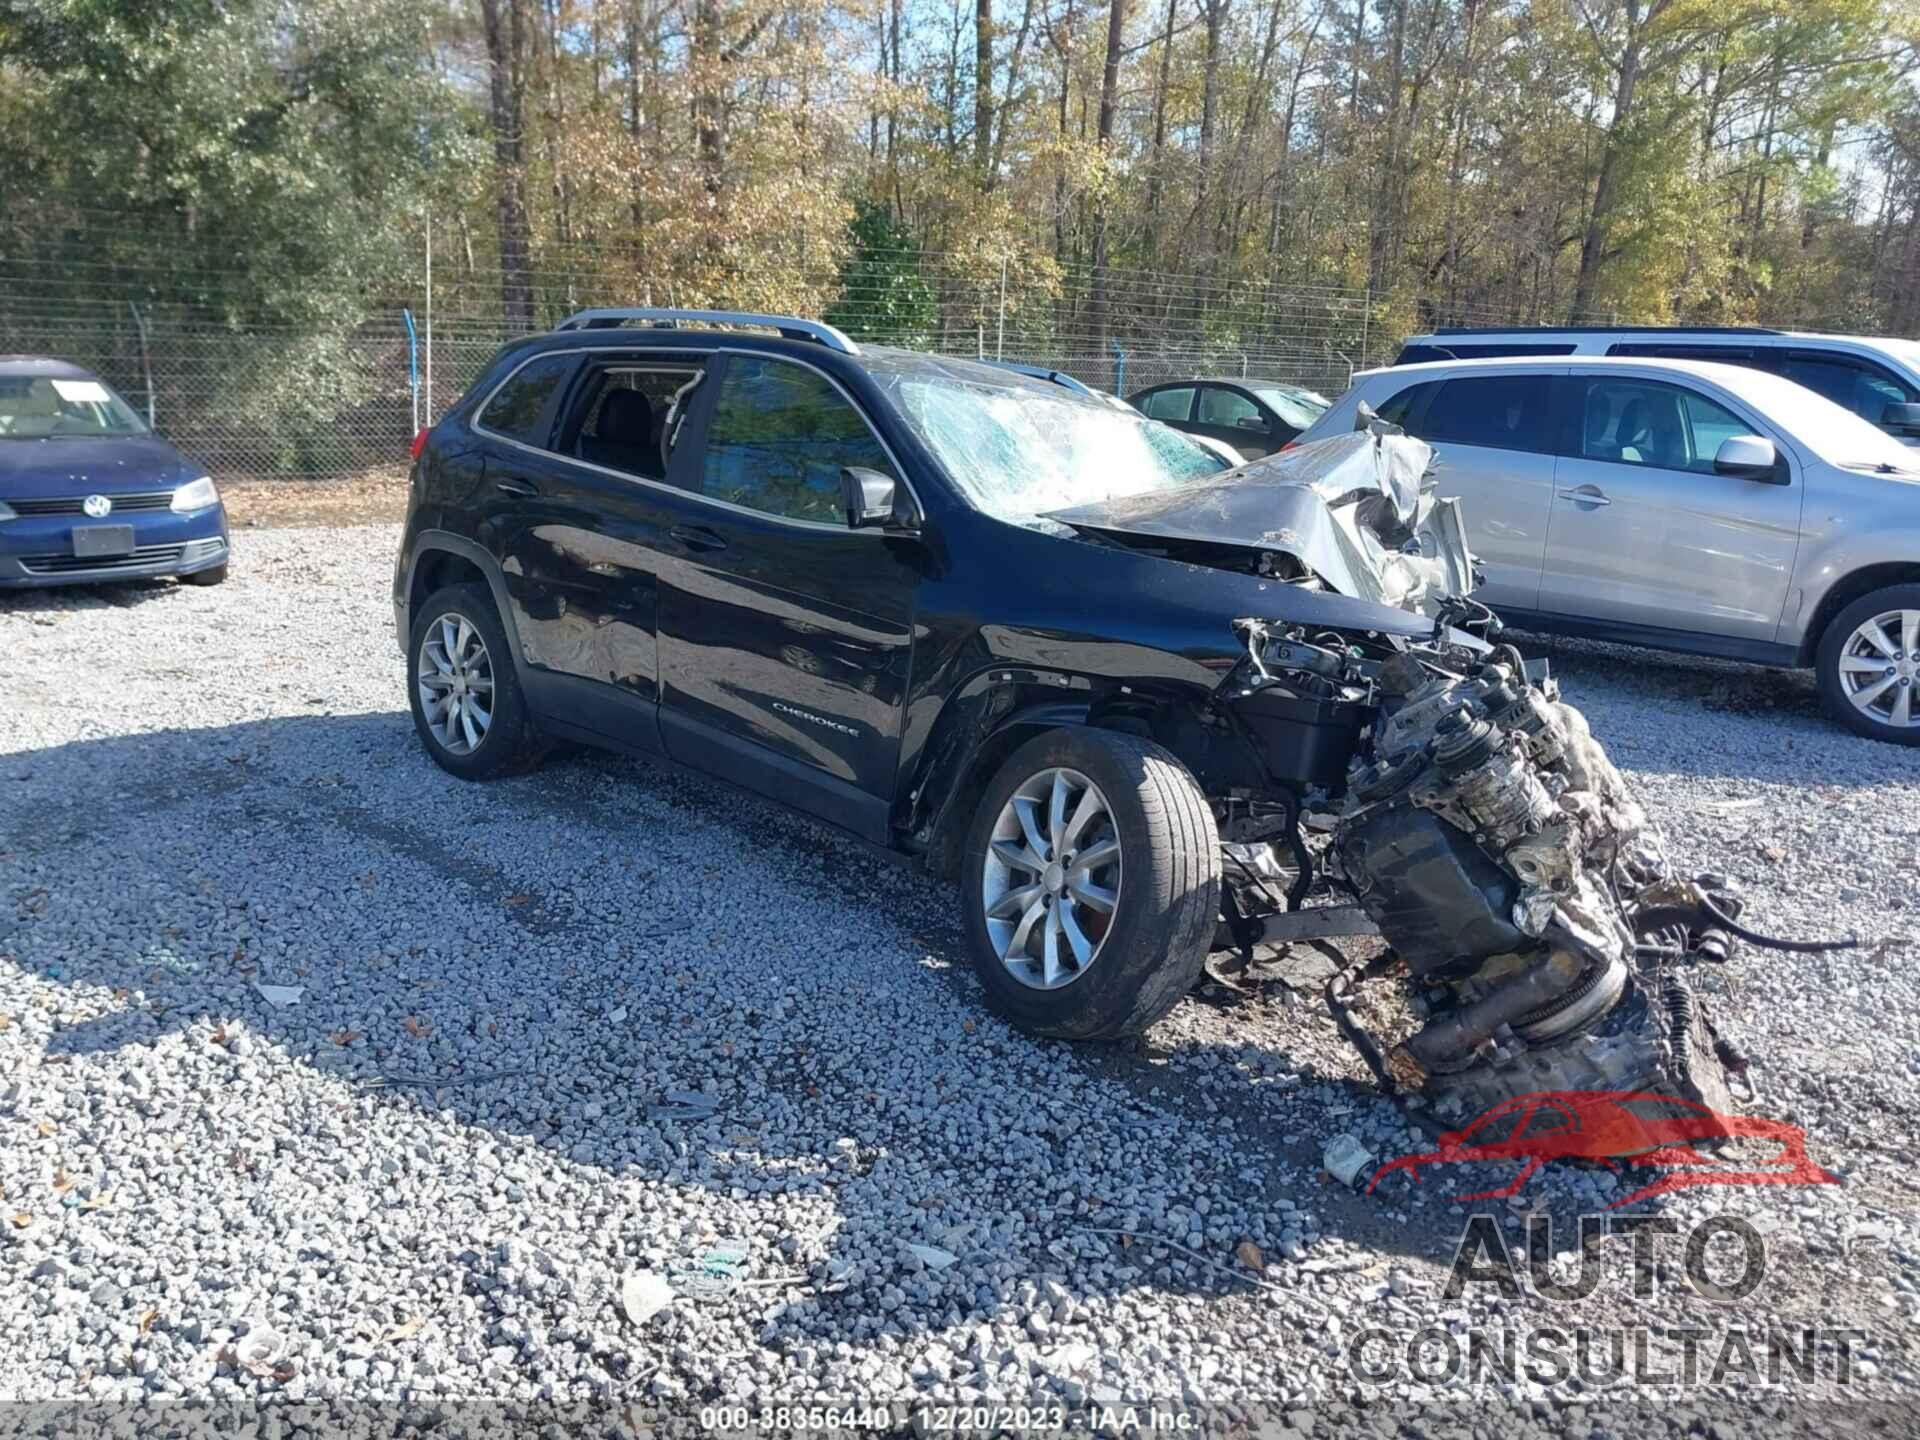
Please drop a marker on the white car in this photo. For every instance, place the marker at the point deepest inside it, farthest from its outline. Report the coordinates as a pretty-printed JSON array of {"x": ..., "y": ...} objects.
[{"x": 1876, "y": 378}]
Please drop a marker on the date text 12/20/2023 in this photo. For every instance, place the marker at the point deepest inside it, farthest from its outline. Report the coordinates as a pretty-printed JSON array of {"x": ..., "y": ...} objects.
[{"x": 965, "y": 1419}]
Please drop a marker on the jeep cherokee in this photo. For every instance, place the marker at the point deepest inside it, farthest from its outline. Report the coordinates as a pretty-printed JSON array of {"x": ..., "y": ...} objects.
[{"x": 1138, "y": 709}]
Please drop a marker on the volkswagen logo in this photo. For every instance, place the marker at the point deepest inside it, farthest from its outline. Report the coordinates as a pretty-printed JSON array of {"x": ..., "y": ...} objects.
[{"x": 96, "y": 505}]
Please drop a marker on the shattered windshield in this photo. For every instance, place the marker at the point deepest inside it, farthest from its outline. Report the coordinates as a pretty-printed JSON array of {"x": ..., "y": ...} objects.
[{"x": 1019, "y": 452}]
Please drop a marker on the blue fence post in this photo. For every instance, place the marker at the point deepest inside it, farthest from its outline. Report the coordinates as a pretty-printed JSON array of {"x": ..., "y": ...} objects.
[
  {"x": 1119, "y": 369},
  {"x": 413, "y": 370}
]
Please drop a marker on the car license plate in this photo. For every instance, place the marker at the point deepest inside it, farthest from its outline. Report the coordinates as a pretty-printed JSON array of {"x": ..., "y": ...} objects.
[{"x": 102, "y": 540}]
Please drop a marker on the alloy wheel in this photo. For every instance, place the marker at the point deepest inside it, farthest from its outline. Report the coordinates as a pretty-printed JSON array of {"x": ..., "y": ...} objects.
[
  {"x": 455, "y": 675},
  {"x": 1880, "y": 668},
  {"x": 1051, "y": 879}
]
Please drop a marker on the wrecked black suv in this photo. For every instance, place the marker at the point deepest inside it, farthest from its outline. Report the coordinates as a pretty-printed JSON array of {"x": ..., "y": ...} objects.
[{"x": 1138, "y": 710}]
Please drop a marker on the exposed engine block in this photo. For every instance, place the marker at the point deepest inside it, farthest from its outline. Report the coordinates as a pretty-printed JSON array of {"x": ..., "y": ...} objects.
[{"x": 1511, "y": 870}]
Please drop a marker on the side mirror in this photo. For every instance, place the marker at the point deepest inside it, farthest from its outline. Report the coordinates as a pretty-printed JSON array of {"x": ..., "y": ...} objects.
[
  {"x": 1901, "y": 419},
  {"x": 872, "y": 498},
  {"x": 1252, "y": 422},
  {"x": 1749, "y": 457}
]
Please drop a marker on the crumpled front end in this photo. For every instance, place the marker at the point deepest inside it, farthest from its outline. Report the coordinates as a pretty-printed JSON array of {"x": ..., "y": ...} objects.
[
  {"x": 1539, "y": 939},
  {"x": 1434, "y": 791},
  {"x": 1359, "y": 515}
]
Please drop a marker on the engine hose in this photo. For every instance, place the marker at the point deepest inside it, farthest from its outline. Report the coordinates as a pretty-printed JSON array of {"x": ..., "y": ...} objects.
[
  {"x": 1448, "y": 1041},
  {"x": 1600, "y": 974},
  {"x": 1303, "y": 881},
  {"x": 1707, "y": 913},
  {"x": 1335, "y": 995},
  {"x": 1774, "y": 942}
]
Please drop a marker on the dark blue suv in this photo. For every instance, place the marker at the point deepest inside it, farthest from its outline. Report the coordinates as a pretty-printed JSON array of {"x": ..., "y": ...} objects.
[
  {"x": 962, "y": 613},
  {"x": 89, "y": 493},
  {"x": 1137, "y": 707}
]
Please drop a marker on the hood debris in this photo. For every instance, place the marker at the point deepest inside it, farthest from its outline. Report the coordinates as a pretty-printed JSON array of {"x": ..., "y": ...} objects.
[{"x": 1358, "y": 514}]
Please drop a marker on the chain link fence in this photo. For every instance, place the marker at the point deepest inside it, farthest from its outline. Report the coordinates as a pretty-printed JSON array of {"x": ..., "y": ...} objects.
[
  {"x": 317, "y": 401},
  {"x": 247, "y": 404}
]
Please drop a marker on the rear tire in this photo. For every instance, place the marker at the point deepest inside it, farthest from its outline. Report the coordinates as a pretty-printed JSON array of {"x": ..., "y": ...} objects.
[
  {"x": 469, "y": 710},
  {"x": 216, "y": 575},
  {"x": 1857, "y": 654},
  {"x": 1149, "y": 911}
]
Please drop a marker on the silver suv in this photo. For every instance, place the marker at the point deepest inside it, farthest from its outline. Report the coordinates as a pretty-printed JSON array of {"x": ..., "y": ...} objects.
[{"x": 1682, "y": 505}]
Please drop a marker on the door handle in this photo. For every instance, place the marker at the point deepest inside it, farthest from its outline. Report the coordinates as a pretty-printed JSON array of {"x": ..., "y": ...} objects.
[
  {"x": 1589, "y": 495},
  {"x": 516, "y": 487},
  {"x": 698, "y": 537}
]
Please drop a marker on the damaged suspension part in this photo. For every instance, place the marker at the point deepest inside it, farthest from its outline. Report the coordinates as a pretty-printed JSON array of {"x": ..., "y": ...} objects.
[{"x": 1539, "y": 931}]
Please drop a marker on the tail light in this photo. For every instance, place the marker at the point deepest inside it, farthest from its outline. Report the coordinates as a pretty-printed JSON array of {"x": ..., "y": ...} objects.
[
  {"x": 419, "y": 441},
  {"x": 1281, "y": 451}
]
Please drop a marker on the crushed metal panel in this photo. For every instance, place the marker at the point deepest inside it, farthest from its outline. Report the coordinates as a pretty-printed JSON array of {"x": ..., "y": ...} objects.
[{"x": 1358, "y": 511}]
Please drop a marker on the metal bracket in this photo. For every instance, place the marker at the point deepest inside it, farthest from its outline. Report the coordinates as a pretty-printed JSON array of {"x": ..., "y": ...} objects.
[{"x": 1322, "y": 922}]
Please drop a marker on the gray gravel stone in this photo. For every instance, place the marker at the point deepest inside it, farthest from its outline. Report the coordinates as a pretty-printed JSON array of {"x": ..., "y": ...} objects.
[{"x": 430, "y": 1175}]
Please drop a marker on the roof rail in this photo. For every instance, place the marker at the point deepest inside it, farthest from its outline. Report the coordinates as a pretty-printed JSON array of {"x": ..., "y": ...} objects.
[
  {"x": 1046, "y": 373},
  {"x": 789, "y": 326},
  {"x": 1603, "y": 330}
]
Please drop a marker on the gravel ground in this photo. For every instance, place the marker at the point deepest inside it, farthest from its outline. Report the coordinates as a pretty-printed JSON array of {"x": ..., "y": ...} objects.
[{"x": 558, "y": 1035}]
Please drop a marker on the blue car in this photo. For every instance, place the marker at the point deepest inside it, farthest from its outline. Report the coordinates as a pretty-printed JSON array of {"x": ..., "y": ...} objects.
[{"x": 89, "y": 493}]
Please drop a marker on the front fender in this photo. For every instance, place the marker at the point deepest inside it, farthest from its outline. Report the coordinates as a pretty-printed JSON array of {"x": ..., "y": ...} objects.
[
  {"x": 1827, "y": 577},
  {"x": 985, "y": 718}
]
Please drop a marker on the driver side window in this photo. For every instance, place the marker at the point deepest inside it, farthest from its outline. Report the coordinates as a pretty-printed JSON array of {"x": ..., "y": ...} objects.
[
  {"x": 1227, "y": 408},
  {"x": 779, "y": 435}
]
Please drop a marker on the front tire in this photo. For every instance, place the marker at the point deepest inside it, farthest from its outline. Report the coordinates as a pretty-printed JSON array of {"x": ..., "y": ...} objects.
[
  {"x": 461, "y": 686},
  {"x": 213, "y": 575},
  {"x": 1868, "y": 665},
  {"x": 1090, "y": 884}
]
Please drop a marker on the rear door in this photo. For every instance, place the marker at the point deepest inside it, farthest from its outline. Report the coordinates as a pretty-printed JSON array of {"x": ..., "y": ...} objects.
[
  {"x": 1493, "y": 439},
  {"x": 578, "y": 521},
  {"x": 1171, "y": 403},
  {"x": 785, "y": 636},
  {"x": 1646, "y": 533}
]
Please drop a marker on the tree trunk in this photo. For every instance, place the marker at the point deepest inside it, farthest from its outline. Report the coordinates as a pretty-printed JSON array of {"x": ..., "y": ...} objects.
[
  {"x": 1259, "y": 96},
  {"x": 709, "y": 99},
  {"x": 982, "y": 89},
  {"x": 636, "y": 205},
  {"x": 1109, "y": 93},
  {"x": 1770, "y": 119},
  {"x": 556, "y": 129},
  {"x": 893, "y": 106},
  {"x": 1064, "y": 46},
  {"x": 506, "y": 31},
  {"x": 1381, "y": 232},
  {"x": 1214, "y": 12},
  {"x": 1457, "y": 148},
  {"x": 1155, "y": 160},
  {"x": 1593, "y": 243},
  {"x": 1016, "y": 60},
  {"x": 1359, "y": 64}
]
